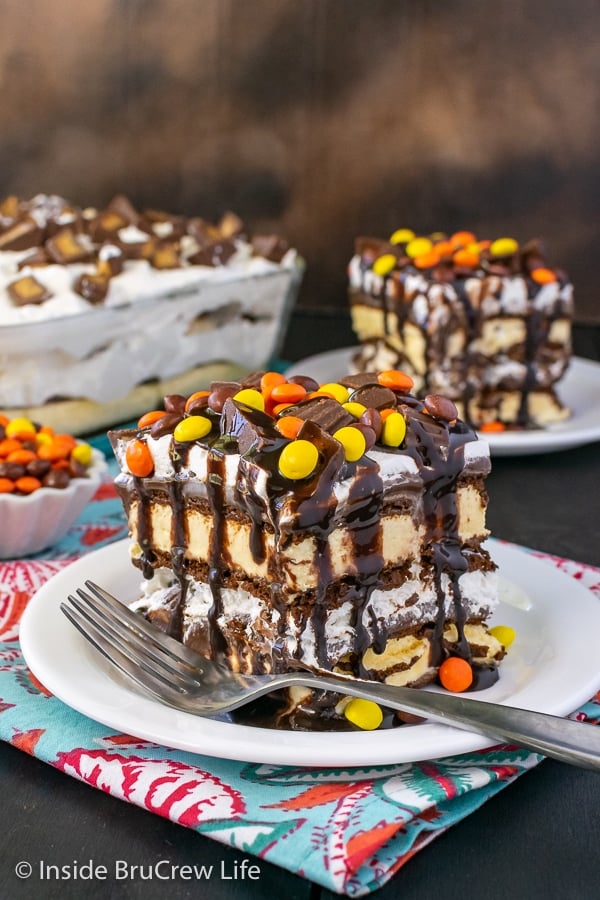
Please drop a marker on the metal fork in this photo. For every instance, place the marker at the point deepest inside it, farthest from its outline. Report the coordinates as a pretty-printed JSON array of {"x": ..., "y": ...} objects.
[{"x": 179, "y": 677}]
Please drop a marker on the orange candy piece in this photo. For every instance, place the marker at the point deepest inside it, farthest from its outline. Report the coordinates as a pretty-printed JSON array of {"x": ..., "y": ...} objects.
[
  {"x": 7, "y": 486},
  {"x": 270, "y": 380},
  {"x": 139, "y": 459},
  {"x": 427, "y": 260},
  {"x": 395, "y": 380},
  {"x": 543, "y": 276},
  {"x": 466, "y": 259},
  {"x": 288, "y": 393},
  {"x": 456, "y": 674},
  {"x": 462, "y": 238},
  {"x": 28, "y": 484},
  {"x": 289, "y": 426},
  {"x": 4, "y": 420},
  {"x": 21, "y": 456},
  {"x": 492, "y": 427},
  {"x": 150, "y": 418},
  {"x": 9, "y": 445}
]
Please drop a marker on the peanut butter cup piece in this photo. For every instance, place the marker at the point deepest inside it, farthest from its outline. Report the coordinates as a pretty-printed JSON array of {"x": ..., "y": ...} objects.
[{"x": 27, "y": 290}]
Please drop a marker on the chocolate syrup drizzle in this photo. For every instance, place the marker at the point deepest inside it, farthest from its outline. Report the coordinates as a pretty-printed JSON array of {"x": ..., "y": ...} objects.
[{"x": 310, "y": 506}]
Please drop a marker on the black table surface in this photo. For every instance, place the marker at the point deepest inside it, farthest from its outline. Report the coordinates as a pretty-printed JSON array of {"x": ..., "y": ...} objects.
[{"x": 539, "y": 838}]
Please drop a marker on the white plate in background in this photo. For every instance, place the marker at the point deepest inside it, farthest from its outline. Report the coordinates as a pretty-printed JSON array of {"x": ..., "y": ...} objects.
[{"x": 579, "y": 390}]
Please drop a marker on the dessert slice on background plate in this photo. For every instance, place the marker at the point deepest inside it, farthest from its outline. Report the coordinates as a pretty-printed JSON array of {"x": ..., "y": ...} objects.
[{"x": 485, "y": 323}]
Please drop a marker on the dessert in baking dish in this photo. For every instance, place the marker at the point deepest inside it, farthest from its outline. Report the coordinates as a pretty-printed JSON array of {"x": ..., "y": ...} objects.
[
  {"x": 485, "y": 323},
  {"x": 339, "y": 527},
  {"x": 103, "y": 311}
]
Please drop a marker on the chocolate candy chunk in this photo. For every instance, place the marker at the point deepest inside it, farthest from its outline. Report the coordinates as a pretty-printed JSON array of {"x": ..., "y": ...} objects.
[
  {"x": 67, "y": 247},
  {"x": 139, "y": 248},
  {"x": 107, "y": 225},
  {"x": 39, "y": 257},
  {"x": 166, "y": 424},
  {"x": 214, "y": 254},
  {"x": 22, "y": 235},
  {"x": 163, "y": 224},
  {"x": 110, "y": 260},
  {"x": 124, "y": 209},
  {"x": 270, "y": 246},
  {"x": 253, "y": 380},
  {"x": 353, "y": 382},
  {"x": 175, "y": 403},
  {"x": 374, "y": 396},
  {"x": 220, "y": 391},
  {"x": 251, "y": 427},
  {"x": 230, "y": 225},
  {"x": 93, "y": 287},
  {"x": 9, "y": 210},
  {"x": 371, "y": 419},
  {"x": 56, "y": 478},
  {"x": 441, "y": 407},
  {"x": 309, "y": 384},
  {"x": 12, "y": 470},
  {"x": 166, "y": 256},
  {"x": 38, "y": 467},
  {"x": 27, "y": 290},
  {"x": 325, "y": 412}
]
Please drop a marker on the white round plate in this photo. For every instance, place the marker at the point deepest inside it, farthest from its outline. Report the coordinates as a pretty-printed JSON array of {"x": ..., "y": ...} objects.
[
  {"x": 579, "y": 391},
  {"x": 552, "y": 667}
]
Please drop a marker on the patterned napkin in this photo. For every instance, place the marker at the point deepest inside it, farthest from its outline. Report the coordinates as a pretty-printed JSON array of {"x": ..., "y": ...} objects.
[{"x": 347, "y": 829}]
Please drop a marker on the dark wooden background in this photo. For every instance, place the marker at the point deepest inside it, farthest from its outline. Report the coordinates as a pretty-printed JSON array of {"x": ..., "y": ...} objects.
[{"x": 320, "y": 118}]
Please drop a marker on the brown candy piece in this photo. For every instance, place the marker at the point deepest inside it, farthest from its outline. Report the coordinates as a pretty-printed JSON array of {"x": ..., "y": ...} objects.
[
  {"x": 325, "y": 412},
  {"x": 251, "y": 427},
  {"x": 374, "y": 396},
  {"x": 22, "y": 235},
  {"x": 360, "y": 379},
  {"x": 175, "y": 403},
  {"x": 371, "y": 418},
  {"x": 107, "y": 224},
  {"x": 123, "y": 207},
  {"x": 166, "y": 256},
  {"x": 27, "y": 290},
  {"x": 197, "y": 406},
  {"x": 110, "y": 260},
  {"x": 166, "y": 424},
  {"x": 38, "y": 467},
  {"x": 230, "y": 225},
  {"x": 368, "y": 434},
  {"x": 214, "y": 254},
  {"x": 253, "y": 380},
  {"x": 67, "y": 247},
  {"x": 12, "y": 470},
  {"x": 441, "y": 407},
  {"x": 220, "y": 391},
  {"x": 270, "y": 246},
  {"x": 39, "y": 257},
  {"x": 56, "y": 478},
  {"x": 93, "y": 287},
  {"x": 309, "y": 384}
]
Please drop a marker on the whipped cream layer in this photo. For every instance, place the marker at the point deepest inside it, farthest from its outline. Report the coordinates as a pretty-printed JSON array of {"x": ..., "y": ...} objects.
[{"x": 143, "y": 302}]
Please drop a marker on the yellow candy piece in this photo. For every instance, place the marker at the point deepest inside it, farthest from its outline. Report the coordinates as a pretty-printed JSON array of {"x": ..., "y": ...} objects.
[
  {"x": 20, "y": 425},
  {"x": 355, "y": 409},
  {"x": 402, "y": 236},
  {"x": 82, "y": 453},
  {"x": 298, "y": 459},
  {"x": 503, "y": 633},
  {"x": 192, "y": 428},
  {"x": 365, "y": 714},
  {"x": 353, "y": 442},
  {"x": 250, "y": 397},
  {"x": 42, "y": 438},
  {"x": 418, "y": 247},
  {"x": 504, "y": 247},
  {"x": 338, "y": 391},
  {"x": 394, "y": 430},
  {"x": 383, "y": 265}
]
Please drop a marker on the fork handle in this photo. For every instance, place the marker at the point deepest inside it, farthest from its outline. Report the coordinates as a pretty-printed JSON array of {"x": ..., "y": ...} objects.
[{"x": 567, "y": 740}]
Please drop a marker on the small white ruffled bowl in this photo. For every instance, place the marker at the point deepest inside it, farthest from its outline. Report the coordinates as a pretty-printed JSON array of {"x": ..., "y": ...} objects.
[{"x": 36, "y": 521}]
